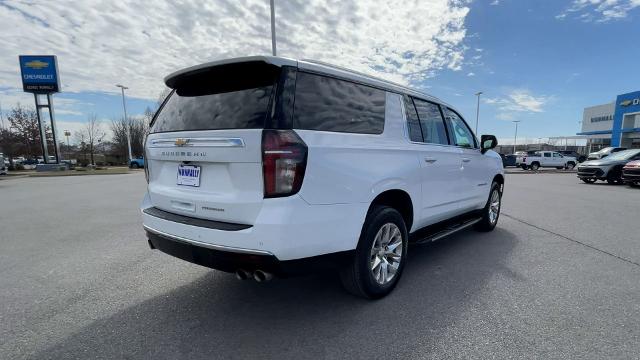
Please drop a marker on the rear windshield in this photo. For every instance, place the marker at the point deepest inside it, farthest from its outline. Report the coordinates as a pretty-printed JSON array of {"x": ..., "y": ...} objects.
[{"x": 234, "y": 96}]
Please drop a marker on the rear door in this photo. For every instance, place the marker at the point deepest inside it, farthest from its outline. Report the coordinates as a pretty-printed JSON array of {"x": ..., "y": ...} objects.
[
  {"x": 204, "y": 148},
  {"x": 440, "y": 170}
]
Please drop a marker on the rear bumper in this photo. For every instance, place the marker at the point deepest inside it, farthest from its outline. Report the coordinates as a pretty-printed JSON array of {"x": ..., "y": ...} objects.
[
  {"x": 286, "y": 228},
  {"x": 230, "y": 260}
]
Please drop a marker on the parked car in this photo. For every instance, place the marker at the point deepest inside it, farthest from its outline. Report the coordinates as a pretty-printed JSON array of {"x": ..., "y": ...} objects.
[
  {"x": 4, "y": 160},
  {"x": 574, "y": 154},
  {"x": 520, "y": 155},
  {"x": 343, "y": 178},
  {"x": 631, "y": 173},
  {"x": 548, "y": 159},
  {"x": 30, "y": 162},
  {"x": 3, "y": 168},
  {"x": 608, "y": 169},
  {"x": 508, "y": 160},
  {"x": 603, "y": 153},
  {"x": 137, "y": 163}
]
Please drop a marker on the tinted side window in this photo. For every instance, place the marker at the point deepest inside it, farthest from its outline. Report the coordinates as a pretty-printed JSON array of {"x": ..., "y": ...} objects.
[
  {"x": 431, "y": 122},
  {"x": 328, "y": 104},
  {"x": 458, "y": 130},
  {"x": 413, "y": 122},
  {"x": 547, "y": 155}
]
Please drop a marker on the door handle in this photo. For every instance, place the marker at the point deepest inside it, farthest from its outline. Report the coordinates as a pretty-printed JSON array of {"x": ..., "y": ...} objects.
[
  {"x": 466, "y": 159},
  {"x": 430, "y": 160}
]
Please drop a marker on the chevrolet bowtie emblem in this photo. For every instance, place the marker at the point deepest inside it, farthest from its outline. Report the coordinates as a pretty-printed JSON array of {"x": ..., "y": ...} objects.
[
  {"x": 36, "y": 64},
  {"x": 181, "y": 142},
  {"x": 625, "y": 103}
]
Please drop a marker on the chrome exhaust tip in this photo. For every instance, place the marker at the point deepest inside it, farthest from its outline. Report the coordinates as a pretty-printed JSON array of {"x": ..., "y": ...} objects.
[
  {"x": 262, "y": 276},
  {"x": 242, "y": 274}
]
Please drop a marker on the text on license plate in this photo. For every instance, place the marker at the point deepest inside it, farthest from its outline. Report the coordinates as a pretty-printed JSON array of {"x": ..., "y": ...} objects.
[{"x": 189, "y": 175}]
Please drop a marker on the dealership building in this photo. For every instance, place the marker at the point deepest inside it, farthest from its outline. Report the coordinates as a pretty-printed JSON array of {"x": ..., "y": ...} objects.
[{"x": 613, "y": 124}]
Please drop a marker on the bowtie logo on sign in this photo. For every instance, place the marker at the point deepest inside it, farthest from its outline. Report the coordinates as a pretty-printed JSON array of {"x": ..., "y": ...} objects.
[
  {"x": 36, "y": 64},
  {"x": 626, "y": 103}
]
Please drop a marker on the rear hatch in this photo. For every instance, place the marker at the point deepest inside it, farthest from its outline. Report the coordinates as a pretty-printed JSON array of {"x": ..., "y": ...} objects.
[{"x": 204, "y": 148}]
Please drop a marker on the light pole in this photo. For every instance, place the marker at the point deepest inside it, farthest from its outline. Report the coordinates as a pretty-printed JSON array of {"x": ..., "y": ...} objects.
[
  {"x": 515, "y": 138},
  {"x": 478, "y": 110},
  {"x": 67, "y": 133},
  {"x": 126, "y": 122},
  {"x": 273, "y": 27}
]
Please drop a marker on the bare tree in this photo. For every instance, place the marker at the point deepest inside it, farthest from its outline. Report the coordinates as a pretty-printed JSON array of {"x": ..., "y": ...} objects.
[
  {"x": 138, "y": 128},
  {"x": 90, "y": 136}
]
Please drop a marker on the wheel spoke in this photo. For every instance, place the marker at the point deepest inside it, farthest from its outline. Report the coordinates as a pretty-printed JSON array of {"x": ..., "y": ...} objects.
[
  {"x": 383, "y": 271},
  {"x": 387, "y": 229},
  {"x": 376, "y": 262},
  {"x": 394, "y": 245}
]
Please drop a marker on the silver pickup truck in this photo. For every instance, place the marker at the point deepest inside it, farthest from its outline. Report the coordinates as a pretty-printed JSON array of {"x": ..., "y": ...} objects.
[{"x": 548, "y": 159}]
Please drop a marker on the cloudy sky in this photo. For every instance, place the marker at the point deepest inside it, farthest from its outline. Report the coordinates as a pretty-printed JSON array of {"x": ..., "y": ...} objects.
[{"x": 540, "y": 62}]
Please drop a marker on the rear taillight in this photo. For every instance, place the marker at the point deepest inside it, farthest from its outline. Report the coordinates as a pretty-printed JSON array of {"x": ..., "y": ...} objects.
[
  {"x": 284, "y": 159},
  {"x": 146, "y": 160}
]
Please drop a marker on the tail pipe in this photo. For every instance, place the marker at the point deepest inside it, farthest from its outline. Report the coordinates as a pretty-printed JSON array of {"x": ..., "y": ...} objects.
[
  {"x": 262, "y": 276},
  {"x": 242, "y": 274}
]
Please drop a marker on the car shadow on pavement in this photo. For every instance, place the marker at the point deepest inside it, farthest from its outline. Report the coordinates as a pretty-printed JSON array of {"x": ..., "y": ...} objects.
[{"x": 217, "y": 316}]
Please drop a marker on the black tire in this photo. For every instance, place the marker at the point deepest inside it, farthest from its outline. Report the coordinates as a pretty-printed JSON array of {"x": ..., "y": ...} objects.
[
  {"x": 614, "y": 177},
  {"x": 588, "y": 180},
  {"x": 559, "y": 167},
  {"x": 570, "y": 165},
  {"x": 486, "y": 223},
  {"x": 534, "y": 166},
  {"x": 358, "y": 277},
  {"x": 523, "y": 166},
  {"x": 134, "y": 165}
]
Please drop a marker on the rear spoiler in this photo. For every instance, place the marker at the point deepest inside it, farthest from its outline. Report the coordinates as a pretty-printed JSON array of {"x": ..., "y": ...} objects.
[{"x": 175, "y": 79}]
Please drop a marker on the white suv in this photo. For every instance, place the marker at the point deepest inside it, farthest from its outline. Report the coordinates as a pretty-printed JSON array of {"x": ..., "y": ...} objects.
[{"x": 268, "y": 166}]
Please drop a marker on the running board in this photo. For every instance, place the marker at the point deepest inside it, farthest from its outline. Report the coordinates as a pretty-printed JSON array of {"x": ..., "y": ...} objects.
[{"x": 447, "y": 231}]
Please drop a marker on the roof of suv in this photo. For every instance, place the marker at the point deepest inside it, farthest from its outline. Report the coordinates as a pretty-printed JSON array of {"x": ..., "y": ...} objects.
[{"x": 311, "y": 65}]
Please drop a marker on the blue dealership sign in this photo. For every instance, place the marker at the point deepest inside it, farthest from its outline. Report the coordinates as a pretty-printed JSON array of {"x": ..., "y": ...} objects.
[
  {"x": 628, "y": 103},
  {"x": 39, "y": 73}
]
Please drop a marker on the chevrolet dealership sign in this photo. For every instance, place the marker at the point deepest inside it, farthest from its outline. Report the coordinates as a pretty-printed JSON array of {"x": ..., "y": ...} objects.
[{"x": 39, "y": 74}]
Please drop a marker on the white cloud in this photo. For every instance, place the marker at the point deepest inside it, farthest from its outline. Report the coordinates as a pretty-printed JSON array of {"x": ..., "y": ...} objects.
[
  {"x": 495, "y": 2},
  {"x": 100, "y": 44},
  {"x": 518, "y": 101},
  {"x": 471, "y": 74},
  {"x": 599, "y": 10}
]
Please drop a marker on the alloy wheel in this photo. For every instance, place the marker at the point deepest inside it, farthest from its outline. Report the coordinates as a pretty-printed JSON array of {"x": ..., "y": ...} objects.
[
  {"x": 494, "y": 206},
  {"x": 386, "y": 253}
]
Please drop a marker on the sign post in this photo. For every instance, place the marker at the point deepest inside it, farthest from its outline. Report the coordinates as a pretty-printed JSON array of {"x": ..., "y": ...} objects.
[{"x": 40, "y": 76}]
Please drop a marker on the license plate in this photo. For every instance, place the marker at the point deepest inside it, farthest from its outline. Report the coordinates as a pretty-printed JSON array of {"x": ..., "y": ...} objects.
[{"x": 189, "y": 175}]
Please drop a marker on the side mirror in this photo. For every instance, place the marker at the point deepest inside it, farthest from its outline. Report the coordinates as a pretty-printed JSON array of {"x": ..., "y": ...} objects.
[{"x": 487, "y": 142}]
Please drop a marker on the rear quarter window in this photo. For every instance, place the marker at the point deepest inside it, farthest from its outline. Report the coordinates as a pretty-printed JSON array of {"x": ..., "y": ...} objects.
[{"x": 328, "y": 104}]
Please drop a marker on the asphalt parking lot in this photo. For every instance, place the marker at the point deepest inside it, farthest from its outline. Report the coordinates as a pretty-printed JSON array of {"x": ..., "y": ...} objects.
[{"x": 559, "y": 278}]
